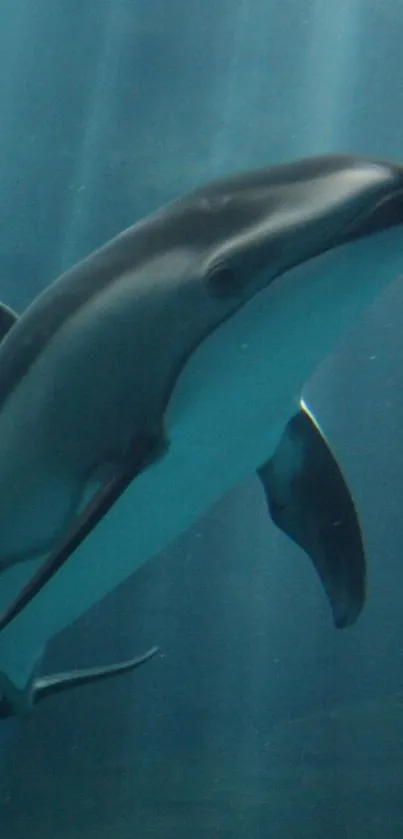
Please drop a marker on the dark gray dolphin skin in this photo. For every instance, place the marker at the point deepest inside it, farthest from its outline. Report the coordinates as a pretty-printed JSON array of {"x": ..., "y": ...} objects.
[{"x": 190, "y": 336}]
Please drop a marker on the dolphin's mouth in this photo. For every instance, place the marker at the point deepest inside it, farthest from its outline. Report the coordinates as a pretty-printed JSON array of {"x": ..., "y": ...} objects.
[{"x": 388, "y": 212}]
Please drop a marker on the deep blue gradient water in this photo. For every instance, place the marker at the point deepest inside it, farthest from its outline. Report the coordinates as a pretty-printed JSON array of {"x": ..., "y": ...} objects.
[{"x": 258, "y": 718}]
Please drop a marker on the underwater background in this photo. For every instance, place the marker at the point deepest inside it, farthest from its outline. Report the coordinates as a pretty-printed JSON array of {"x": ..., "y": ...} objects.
[{"x": 257, "y": 718}]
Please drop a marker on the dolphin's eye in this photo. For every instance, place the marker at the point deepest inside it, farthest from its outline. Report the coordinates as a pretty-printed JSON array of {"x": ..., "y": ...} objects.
[{"x": 223, "y": 282}]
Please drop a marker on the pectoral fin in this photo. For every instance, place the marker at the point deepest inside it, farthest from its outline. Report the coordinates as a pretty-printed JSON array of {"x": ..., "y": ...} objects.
[
  {"x": 43, "y": 686},
  {"x": 143, "y": 454},
  {"x": 309, "y": 500}
]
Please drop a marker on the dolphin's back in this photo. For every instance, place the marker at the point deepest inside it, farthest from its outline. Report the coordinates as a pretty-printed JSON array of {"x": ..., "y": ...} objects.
[{"x": 366, "y": 193}]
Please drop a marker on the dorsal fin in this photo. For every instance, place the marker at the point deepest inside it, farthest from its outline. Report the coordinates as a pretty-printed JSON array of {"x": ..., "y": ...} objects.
[{"x": 7, "y": 319}]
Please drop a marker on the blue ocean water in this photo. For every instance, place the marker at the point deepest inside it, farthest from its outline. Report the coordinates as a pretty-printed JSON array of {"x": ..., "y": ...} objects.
[{"x": 257, "y": 718}]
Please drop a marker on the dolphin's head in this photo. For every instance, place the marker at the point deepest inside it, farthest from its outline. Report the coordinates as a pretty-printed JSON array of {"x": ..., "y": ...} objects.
[
  {"x": 249, "y": 229},
  {"x": 282, "y": 261}
]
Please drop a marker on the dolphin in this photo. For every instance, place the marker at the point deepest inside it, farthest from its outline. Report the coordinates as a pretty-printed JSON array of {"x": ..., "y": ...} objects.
[{"x": 166, "y": 367}]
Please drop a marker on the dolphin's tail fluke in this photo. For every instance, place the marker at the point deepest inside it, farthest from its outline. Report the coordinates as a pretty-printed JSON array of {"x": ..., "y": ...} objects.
[{"x": 44, "y": 686}]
